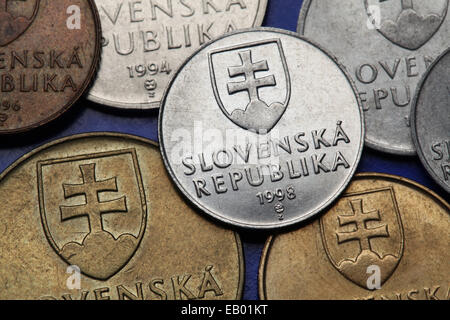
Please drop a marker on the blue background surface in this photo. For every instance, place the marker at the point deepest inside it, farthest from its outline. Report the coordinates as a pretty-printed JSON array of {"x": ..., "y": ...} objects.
[{"x": 89, "y": 117}]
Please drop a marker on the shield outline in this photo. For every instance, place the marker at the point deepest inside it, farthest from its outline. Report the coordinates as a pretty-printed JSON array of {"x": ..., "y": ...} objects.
[
  {"x": 366, "y": 5},
  {"x": 244, "y": 46},
  {"x": 32, "y": 18},
  {"x": 390, "y": 189},
  {"x": 137, "y": 170}
]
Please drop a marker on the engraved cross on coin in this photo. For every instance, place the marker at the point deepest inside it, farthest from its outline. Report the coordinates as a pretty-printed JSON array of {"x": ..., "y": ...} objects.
[
  {"x": 248, "y": 69},
  {"x": 362, "y": 233},
  {"x": 93, "y": 208}
]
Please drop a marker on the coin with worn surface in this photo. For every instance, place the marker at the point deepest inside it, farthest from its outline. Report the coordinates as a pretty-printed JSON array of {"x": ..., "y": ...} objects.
[
  {"x": 144, "y": 42},
  {"x": 261, "y": 129},
  {"x": 49, "y": 51},
  {"x": 386, "y": 238},
  {"x": 95, "y": 216},
  {"x": 431, "y": 121},
  {"x": 386, "y": 46}
]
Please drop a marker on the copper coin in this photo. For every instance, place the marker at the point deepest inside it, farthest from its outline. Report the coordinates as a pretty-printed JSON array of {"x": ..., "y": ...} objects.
[
  {"x": 95, "y": 216},
  {"x": 386, "y": 238},
  {"x": 49, "y": 51}
]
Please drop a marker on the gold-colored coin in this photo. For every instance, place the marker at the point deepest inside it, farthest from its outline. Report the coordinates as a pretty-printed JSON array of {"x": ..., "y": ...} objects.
[
  {"x": 95, "y": 216},
  {"x": 386, "y": 238}
]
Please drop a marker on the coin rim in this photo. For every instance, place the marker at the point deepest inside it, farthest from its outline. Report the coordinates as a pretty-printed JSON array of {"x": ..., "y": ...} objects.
[
  {"x": 360, "y": 176},
  {"x": 368, "y": 142},
  {"x": 252, "y": 226},
  {"x": 413, "y": 117},
  {"x": 86, "y": 84},
  {"x": 260, "y": 14},
  {"x": 106, "y": 134}
]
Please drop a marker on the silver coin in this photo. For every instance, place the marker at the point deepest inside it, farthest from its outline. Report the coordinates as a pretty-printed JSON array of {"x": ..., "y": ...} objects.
[
  {"x": 261, "y": 129},
  {"x": 144, "y": 42},
  {"x": 431, "y": 121},
  {"x": 386, "y": 46}
]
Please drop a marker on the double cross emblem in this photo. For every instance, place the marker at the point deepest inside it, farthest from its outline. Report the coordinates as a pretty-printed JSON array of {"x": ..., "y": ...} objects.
[{"x": 266, "y": 84}]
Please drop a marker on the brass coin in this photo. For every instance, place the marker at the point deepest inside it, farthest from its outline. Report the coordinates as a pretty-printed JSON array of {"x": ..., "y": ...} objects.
[
  {"x": 386, "y": 238},
  {"x": 102, "y": 204},
  {"x": 49, "y": 51}
]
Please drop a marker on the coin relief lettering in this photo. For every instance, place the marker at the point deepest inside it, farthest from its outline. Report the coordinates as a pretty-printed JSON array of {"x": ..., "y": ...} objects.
[
  {"x": 399, "y": 94},
  {"x": 300, "y": 166},
  {"x": 430, "y": 121},
  {"x": 143, "y": 33},
  {"x": 435, "y": 292},
  {"x": 37, "y": 60},
  {"x": 271, "y": 136},
  {"x": 202, "y": 285},
  {"x": 441, "y": 155},
  {"x": 410, "y": 33},
  {"x": 173, "y": 37},
  {"x": 61, "y": 70}
]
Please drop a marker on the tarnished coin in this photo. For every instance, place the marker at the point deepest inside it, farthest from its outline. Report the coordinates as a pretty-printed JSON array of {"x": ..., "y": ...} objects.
[
  {"x": 386, "y": 238},
  {"x": 431, "y": 121},
  {"x": 144, "y": 42},
  {"x": 49, "y": 51},
  {"x": 386, "y": 45},
  {"x": 95, "y": 216},
  {"x": 261, "y": 129}
]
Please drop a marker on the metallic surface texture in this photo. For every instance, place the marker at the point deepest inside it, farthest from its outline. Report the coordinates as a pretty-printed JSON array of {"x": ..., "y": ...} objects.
[
  {"x": 261, "y": 129},
  {"x": 386, "y": 46},
  {"x": 86, "y": 116},
  {"x": 49, "y": 51},
  {"x": 385, "y": 238},
  {"x": 431, "y": 121},
  {"x": 102, "y": 204},
  {"x": 144, "y": 43}
]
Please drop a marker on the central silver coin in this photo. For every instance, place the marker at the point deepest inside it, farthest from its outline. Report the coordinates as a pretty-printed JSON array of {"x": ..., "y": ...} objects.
[
  {"x": 261, "y": 129},
  {"x": 144, "y": 42},
  {"x": 386, "y": 45}
]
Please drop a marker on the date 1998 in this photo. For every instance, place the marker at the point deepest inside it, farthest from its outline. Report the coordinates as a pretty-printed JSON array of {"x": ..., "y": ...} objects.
[{"x": 277, "y": 194}]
